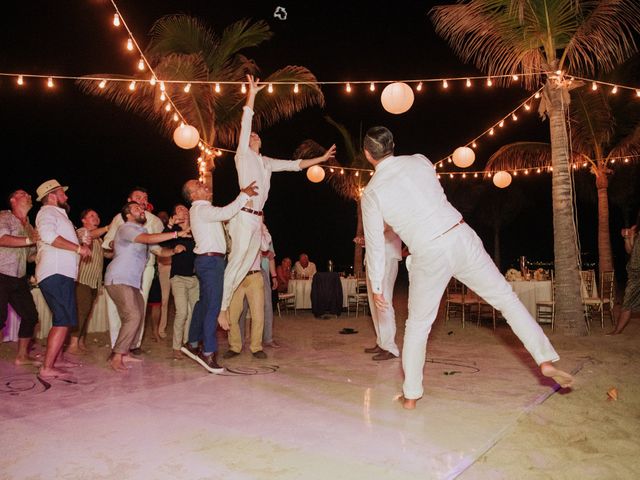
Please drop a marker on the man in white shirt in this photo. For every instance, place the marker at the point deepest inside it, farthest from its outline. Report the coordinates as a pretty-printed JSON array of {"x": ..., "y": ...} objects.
[
  {"x": 405, "y": 194},
  {"x": 211, "y": 246},
  {"x": 245, "y": 228},
  {"x": 56, "y": 271},
  {"x": 384, "y": 321},
  {"x": 153, "y": 225},
  {"x": 303, "y": 268}
]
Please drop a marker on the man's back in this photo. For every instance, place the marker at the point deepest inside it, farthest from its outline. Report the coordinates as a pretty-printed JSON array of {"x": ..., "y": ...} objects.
[{"x": 407, "y": 193}]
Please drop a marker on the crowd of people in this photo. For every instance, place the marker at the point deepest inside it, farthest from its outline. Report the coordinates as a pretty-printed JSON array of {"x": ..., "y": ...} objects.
[{"x": 215, "y": 282}]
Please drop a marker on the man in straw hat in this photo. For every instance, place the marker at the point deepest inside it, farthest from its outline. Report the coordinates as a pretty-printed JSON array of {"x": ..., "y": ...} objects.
[
  {"x": 56, "y": 270},
  {"x": 405, "y": 194}
]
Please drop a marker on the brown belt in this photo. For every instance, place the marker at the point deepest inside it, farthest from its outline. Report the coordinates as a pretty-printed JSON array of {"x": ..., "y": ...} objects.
[
  {"x": 255, "y": 212},
  {"x": 447, "y": 231},
  {"x": 211, "y": 254},
  {"x": 251, "y": 272}
]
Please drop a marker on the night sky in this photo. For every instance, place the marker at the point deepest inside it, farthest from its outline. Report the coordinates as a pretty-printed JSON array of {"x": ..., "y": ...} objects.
[{"x": 100, "y": 151}]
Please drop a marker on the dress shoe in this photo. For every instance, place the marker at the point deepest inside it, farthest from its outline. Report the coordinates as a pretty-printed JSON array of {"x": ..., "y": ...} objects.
[
  {"x": 209, "y": 362},
  {"x": 260, "y": 354},
  {"x": 230, "y": 354},
  {"x": 384, "y": 355},
  {"x": 375, "y": 349}
]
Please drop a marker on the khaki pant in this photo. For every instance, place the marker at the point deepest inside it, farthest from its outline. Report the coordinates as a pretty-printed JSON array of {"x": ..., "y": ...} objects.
[
  {"x": 186, "y": 292},
  {"x": 130, "y": 304},
  {"x": 251, "y": 287},
  {"x": 164, "y": 272}
]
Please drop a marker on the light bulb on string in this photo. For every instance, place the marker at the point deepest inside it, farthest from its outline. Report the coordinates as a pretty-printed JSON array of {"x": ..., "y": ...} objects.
[
  {"x": 514, "y": 117},
  {"x": 584, "y": 165},
  {"x": 450, "y": 160},
  {"x": 152, "y": 81},
  {"x": 218, "y": 153},
  {"x": 348, "y": 88},
  {"x": 489, "y": 82},
  {"x": 445, "y": 84},
  {"x": 296, "y": 89},
  {"x": 50, "y": 82},
  {"x": 175, "y": 117},
  {"x": 20, "y": 80},
  {"x": 163, "y": 97},
  {"x": 357, "y": 174},
  {"x": 102, "y": 84},
  {"x": 270, "y": 88},
  {"x": 129, "y": 44},
  {"x": 526, "y": 172},
  {"x": 162, "y": 87},
  {"x": 491, "y": 132},
  {"x": 626, "y": 160},
  {"x": 451, "y": 175},
  {"x": 331, "y": 170},
  {"x": 132, "y": 85},
  {"x": 537, "y": 95},
  {"x": 614, "y": 90},
  {"x": 419, "y": 87},
  {"x": 341, "y": 171},
  {"x": 527, "y": 107},
  {"x": 538, "y": 170},
  {"x": 475, "y": 175},
  {"x": 594, "y": 86},
  {"x": 371, "y": 173},
  {"x": 464, "y": 175},
  {"x": 474, "y": 145},
  {"x": 372, "y": 87},
  {"x": 116, "y": 20},
  {"x": 187, "y": 88},
  {"x": 243, "y": 89},
  {"x": 217, "y": 88},
  {"x": 167, "y": 107},
  {"x": 515, "y": 173},
  {"x": 501, "y": 124},
  {"x": 515, "y": 78},
  {"x": 141, "y": 65},
  {"x": 468, "y": 83}
]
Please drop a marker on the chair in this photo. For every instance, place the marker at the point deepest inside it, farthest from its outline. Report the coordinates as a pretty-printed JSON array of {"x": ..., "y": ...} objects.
[
  {"x": 455, "y": 300},
  {"x": 472, "y": 298},
  {"x": 588, "y": 282},
  {"x": 359, "y": 297},
  {"x": 597, "y": 303},
  {"x": 287, "y": 300},
  {"x": 546, "y": 309}
]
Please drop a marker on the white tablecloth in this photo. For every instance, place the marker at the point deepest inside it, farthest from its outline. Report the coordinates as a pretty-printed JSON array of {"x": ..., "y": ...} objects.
[
  {"x": 98, "y": 321},
  {"x": 530, "y": 292},
  {"x": 302, "y": 289}
]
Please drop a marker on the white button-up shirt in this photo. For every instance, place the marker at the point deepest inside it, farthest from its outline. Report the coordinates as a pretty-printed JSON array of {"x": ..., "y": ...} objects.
[
  {"x": 404, "y": 193},
  {"x": 53, "y": 222},
  {"x": 153, "y": 225},
  {"x": 252, "y": 166},
  {"x": 206, "y": 225}
]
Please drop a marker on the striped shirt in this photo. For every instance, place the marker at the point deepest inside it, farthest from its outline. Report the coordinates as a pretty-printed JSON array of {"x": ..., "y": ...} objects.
[
  {"x": 13, "y": 260},
  {"x": 90, "y": 271}
]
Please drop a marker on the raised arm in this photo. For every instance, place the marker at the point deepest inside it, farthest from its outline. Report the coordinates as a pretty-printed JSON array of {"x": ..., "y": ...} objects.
[
  {"x": 247, "y": 115},
  {"x": 221, "y": 214},
  {"x": 330, "y": 153}
]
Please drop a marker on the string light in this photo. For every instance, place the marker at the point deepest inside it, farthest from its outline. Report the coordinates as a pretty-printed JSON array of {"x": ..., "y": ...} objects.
[
  {"x": 175, "y": 117},
  {"x": 152, "y": 81},
  {"x": 372, "y": 87},
  {"x": 50, "y": 82},
  {"x": 489, "y": 82},
  {"x": 371, "y": 173},
  {"x": 141, "y": 65},
  {"x": 537, "y": 95},
  {"x": 357, "y": 173},
  {"x": 217, "y": 88},
  {"x": 129, "y": 44},
  {"x": 342, "y": 171},
  {"x": 491, "y": 132},
  {"x": 515, "y": 78},
  {"x": 594, "y": 86},
  {"x": 243, "y": 89},
  {"x": 527, "y": 107},
  {"x": 474, "y": 145},
  {"x": 163, "y": 97},
  {"x": 295, "y": 88},
  {"x": 468, "y": 83},
  {"x": 20, "y": 80},
  {"x": 116, "y": 20},
  {"x": 419, "y": 87},
  {"x": 270, "y": 88},
  {"x": 102, "y": 84},
  {"x": 614, "y": 90},
  {"x": 501, "y": 124},
  {"x": 515, "y": 117},
  {"x": 445, "y": 84},
  {"x": 348, "y": 88},
  {"x": 132, "y": 85},
  {"x": 162, "y": 87}
]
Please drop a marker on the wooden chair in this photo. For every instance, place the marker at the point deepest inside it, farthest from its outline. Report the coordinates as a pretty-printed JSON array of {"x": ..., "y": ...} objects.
[
  {"x": 546, "y": 309},
  {"x": 474, "y": 300},
  {"x": 359, "y": 298},
  {"x": 287, "y": 300},
  {"x": 606, "y": 299},
  {"x": 455, "y": 300}
]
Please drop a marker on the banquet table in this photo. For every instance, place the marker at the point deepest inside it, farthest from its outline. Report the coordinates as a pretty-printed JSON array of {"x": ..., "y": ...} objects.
[
  {"x": 531, "y": 291},
  {"x": 98, "y": 321},
  {"x": 302, "y": 289}
]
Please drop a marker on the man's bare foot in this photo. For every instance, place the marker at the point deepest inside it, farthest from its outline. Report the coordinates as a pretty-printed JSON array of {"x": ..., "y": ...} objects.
[
  {"x": 407, "y": 403},
  {"x": 117, "y": 365},
  {"x": 562, "y": 378},
  {"x": 131, "y": 359},
  {"x": 24, "y": 360},
  {"x": 178, "y": 355},
  {"x": 75, "y": 350},
  {"x": 52, "y": 372},
  {"x": 223, "y": 319}
]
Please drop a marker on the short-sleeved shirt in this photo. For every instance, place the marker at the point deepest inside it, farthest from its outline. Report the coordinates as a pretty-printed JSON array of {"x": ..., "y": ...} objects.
[
  {"x": 53, "y": 222},
  {"x": 130, "y": 257},
  {"x": 90, "y": 270},
  {"x": 182, "y": 264},
  {"x": 13, "y": 260}
]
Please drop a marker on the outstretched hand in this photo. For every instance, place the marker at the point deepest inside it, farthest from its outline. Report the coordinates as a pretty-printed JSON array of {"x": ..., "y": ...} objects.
[
  {"x": 251, "y": 190},
  {"x": 330, "y": 153},
  {"x": 254, "y": 88}
]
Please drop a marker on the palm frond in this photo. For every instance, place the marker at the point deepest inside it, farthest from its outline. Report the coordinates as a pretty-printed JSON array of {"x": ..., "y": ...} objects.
[
  {"x": 180, "y": 34},
  {"x": 347, "y": 140},
  {"x": 605, "y": 38},
  {"x": 630, "y": 145},
  {"x": 236, "y": 37},
  {"x": 520, "y": 155},
  {"x": 592, "y": 122}
]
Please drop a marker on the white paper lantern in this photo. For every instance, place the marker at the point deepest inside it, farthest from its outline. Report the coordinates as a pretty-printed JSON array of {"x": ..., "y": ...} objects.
[
  {"x": 315, "y": 174},
  {"x": 397, "y": 97},
  {"x": 186, "y": 136},
  {"x": 502, "y": 179},
  {"x": 463, "y": 157}
]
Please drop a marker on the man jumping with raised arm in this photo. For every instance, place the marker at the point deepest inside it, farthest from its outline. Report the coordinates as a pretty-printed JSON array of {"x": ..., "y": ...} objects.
[{"x": 245, "y": 228}]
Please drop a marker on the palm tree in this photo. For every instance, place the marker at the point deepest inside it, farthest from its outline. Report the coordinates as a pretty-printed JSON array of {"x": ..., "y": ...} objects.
[
  {"x": 596, "y": 139},
  {"x": 185, "y": 49},
  {"x": 532, "y": 38},
  {"x": 347, "y": 185}
]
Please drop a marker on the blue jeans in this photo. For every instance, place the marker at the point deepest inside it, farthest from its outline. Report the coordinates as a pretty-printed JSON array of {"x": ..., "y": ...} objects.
[{"x": 204, "y": 322}]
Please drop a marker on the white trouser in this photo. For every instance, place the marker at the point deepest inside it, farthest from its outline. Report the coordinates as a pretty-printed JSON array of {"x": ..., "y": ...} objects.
[
  {"x": 245, "y": 230},
  {"x": 112, "y": 311},
  {"x": 384, "y": 322},
  {"x": 460, "y": 253}
]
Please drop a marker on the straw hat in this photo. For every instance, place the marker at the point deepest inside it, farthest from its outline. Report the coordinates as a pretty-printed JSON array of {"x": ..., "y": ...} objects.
[{"x": 48, "y": 187}]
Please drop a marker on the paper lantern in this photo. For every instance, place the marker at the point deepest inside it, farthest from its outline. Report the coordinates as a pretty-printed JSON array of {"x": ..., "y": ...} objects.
[
  {"x": 502, "y": 179},
  {"x": 463, "y": 157},
  {"x": 315, "y": 174},
  {"x": 186, "y": 136},
  {"x": 397, "y": 97}
]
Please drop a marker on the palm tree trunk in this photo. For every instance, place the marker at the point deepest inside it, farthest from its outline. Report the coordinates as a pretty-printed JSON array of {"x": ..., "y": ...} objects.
[
  {"x": 357, "y": 253},
  {"x": 605, "y": 257},
  {"x": 569, "y": 313}
]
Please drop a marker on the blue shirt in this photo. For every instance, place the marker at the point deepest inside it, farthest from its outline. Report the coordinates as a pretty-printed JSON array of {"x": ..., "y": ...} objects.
[{"x": 130, "y": 257}]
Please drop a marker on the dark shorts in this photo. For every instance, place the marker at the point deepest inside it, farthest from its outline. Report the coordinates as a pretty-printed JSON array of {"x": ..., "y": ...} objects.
[{"x": 60, "y": 293}]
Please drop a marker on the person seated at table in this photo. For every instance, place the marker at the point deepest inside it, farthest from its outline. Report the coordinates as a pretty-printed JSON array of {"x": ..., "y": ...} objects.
[
  {"x": 304, "y": 268},
  {"x": 284, "y": 275}
]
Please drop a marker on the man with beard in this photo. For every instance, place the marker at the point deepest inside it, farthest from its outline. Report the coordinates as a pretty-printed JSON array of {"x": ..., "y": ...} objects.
[
  {"x": 123, "y": 279},
  {"x": 57, "y": 270},
  {"x": 17, "y": 245},
  {"x": 153, "y": 225}
]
